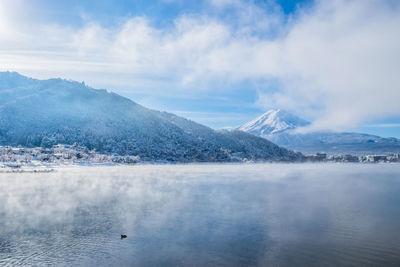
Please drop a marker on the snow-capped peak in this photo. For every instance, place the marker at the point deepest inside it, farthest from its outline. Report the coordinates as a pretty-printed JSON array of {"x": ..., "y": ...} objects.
[{"x": 273, "y": 121}]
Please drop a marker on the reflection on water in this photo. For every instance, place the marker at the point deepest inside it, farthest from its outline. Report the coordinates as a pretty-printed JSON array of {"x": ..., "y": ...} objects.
[{"x": 197, "y": 215}]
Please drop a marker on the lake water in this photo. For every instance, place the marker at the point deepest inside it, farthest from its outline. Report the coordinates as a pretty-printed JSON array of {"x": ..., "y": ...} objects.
[{"x": 203, "y": 215}]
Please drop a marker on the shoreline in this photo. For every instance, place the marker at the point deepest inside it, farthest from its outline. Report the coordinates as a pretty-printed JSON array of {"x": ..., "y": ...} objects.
[{"x": 54, "y": 167}]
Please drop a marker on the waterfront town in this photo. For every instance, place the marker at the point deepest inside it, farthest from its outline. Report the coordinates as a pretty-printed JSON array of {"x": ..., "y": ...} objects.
[{"x": 16, "y": 157}]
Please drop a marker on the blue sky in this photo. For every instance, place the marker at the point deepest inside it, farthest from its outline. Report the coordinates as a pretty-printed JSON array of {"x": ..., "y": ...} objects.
[
  {"x": 220, "y": 62},
  {"x": 161, "y": 12}
]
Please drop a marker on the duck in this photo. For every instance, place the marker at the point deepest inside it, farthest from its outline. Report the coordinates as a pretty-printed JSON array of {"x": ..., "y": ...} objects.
[{"x": 123, "y": 236}]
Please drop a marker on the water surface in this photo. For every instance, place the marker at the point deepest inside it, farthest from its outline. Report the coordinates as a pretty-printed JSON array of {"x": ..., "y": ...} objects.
[{"x": 198, "y": 215}]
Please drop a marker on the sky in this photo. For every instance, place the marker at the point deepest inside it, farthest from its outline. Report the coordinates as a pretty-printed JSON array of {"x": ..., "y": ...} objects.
[{"x": 220, "y": 62}]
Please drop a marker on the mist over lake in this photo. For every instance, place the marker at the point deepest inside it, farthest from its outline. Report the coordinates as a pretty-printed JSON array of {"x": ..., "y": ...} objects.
[{"x": 197, "y": 215}]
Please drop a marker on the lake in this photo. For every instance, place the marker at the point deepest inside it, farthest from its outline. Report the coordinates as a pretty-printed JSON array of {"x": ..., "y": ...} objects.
[{"x": 203, "y": 215}]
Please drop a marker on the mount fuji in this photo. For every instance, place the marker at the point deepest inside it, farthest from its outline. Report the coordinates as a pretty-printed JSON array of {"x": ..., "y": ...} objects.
[
  {"x": 280, "y": 126},
  {"x": 273, "y": 122}
]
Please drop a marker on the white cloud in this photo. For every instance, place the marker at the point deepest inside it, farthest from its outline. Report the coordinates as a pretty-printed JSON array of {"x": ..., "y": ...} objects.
[
  {"x": 345, "y": 53},
  {"x": 337, "y": 61}
]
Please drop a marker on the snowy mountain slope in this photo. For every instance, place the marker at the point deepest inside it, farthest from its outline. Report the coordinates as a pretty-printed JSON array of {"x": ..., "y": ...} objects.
[
  {"x": 46, "y": 112},
  {"x": 277, "y": 126},
  {"x": 272, "y": 122}
]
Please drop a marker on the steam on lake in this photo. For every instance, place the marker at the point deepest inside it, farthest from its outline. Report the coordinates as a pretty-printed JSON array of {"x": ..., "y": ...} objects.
[{"x": 197, "y": 215}]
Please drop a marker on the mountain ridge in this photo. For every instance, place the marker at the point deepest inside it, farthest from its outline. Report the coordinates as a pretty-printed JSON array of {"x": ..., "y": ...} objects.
[{"x": 46, "y": 112}]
